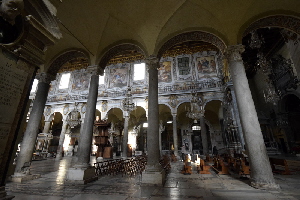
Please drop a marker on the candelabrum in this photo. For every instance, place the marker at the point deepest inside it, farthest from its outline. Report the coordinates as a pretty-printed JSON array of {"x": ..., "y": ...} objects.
[
  {"x": 127, "y": 103},
  {"x": 263, "y": 64},
  {"x": 256, "y": 41}
]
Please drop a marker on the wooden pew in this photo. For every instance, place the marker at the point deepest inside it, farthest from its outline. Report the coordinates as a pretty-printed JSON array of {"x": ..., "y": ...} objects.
[
  {"x": 220, "y": 167},
  {"x": 245, "y": 169},
  {"x": 282, "y": 163},
  {"x": 203, "y": 168},
  {"x": 187, "y": 167}
]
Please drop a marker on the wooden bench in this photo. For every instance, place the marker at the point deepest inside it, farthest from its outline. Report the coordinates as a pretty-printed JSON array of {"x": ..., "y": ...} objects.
[
  {"x": 203, "y": 168},
  {"x": 245, "y": 169},
  {"x": 282, "y": 164},
  {"x": 220, "y": 167}
]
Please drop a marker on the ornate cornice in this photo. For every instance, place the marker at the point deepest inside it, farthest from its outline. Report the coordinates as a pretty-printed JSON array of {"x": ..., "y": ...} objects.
[{"x": 233, "y": 52}]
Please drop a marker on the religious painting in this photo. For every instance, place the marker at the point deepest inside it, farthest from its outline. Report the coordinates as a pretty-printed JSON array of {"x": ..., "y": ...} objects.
[
  {"x": 183, "y": 66},
  {"x": 206, "y": 65},
  {"x": 118, "y": 76},
  {"x": 164, "y": 72},
  {"x": 80, "y": 81}
]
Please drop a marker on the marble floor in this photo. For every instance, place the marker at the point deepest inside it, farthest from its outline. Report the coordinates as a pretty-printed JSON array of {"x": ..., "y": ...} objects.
[{"x": 53, "y": 186}]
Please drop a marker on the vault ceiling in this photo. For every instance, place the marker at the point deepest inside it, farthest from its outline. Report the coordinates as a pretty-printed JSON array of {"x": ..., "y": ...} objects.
[{"x": 96, "y": 26}]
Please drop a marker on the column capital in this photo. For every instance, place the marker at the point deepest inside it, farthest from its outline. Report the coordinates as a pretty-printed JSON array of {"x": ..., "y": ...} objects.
[
  {"x": 126, "y": 114},
  {"x": 152, "y": 62},
  {"x": 233, "y": 52},
  {"x": 44, "y": 77}
]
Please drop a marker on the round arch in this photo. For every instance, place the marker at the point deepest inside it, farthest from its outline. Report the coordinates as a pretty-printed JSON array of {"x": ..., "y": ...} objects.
[
  {"x": 64, "y": 57},
  {"x": 114, "y": 50},
  {"x": 192, "y": 36},
  {"x": 288, "y": 22}
]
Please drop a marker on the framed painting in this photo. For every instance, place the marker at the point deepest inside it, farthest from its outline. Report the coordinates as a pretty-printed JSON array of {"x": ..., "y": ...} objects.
[
  {"x": 164, "y": 72},
  {"x": 118, "y": 76},
  {"x": 206, "y": 65},
  {"x": 80, "y": 81},
  {"x": 183, "y": 66}
]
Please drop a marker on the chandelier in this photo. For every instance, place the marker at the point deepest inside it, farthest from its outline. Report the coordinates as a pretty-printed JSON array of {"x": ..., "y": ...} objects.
[
  {"x": 270, "y": 95},
  {"x": 73, "y": 118},
  {"x": 127, "y": 103},
  {"x": 256, "y": 41},
  {"x": 263, "y": 64}
]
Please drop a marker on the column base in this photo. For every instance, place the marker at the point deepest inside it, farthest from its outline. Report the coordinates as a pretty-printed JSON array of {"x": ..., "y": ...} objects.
[
  {"x": 154, "y": 175},
  {"x": 156, "y": 178},
  {"x": 265, "y": 186},
  {"x": 82, "y": 175},
  {"x": 3, "y": 195},
  {"x": 20, "y": 178}
]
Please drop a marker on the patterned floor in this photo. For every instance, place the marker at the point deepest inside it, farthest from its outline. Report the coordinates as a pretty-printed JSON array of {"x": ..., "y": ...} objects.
[{"x": 53, "y": 186}]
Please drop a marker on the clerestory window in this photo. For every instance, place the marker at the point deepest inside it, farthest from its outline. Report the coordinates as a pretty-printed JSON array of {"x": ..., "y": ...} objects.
[
  {"x": 101, "y": 79},
  {"x": 64, "y": 81},
  {"x": 139, "y": 71},
  {"x": 34, "y": 85}
]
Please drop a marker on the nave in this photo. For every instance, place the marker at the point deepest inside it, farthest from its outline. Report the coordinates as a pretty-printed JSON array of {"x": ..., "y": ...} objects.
[{"x": 51, "y": 185}]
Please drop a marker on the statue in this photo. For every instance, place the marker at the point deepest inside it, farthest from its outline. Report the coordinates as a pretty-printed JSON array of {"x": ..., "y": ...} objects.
[
  {"x": 9, "y": 23},
  {"x": 10, "y": 9}
]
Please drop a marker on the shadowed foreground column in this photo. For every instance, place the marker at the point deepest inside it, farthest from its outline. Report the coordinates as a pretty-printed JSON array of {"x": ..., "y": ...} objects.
[{"x": 261, "y": 172}]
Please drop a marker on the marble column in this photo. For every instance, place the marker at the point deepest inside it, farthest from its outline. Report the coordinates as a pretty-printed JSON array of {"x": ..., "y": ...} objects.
[
  {"x": 47, "y": 127},
  {"x": 125, "y": 134},
  {"x": 61, "y": 140},
  {"x": 32, "y": 129},
  {"x": 203, "y": 135},
  {"x": 153, "y": 173},
  {"x": 86, "y": 134},
  {"x": 175, "y": 137},
  {"x": 153, "y": 117},
  {"x": 261, "y": 172}
]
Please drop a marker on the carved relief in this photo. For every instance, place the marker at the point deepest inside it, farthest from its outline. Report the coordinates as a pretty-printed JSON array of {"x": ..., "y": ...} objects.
[{"x": 173, "y": 101}]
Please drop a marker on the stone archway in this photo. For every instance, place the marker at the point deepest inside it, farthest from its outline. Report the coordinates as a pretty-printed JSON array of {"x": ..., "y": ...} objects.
[
  {"x": 118, "y": 50},
  {"x": 192, "y": 36},
  {"x": 280, "y": 21},
  {"x": 65, "y": 57}
]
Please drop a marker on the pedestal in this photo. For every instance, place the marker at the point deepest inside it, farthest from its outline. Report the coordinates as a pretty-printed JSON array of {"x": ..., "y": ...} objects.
[
  {"x": 20, "y": 178},
  {"x": 82, "y": 175},
  {"x": 154, "y": 177},
  {"x": 3, "y": 195}
]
